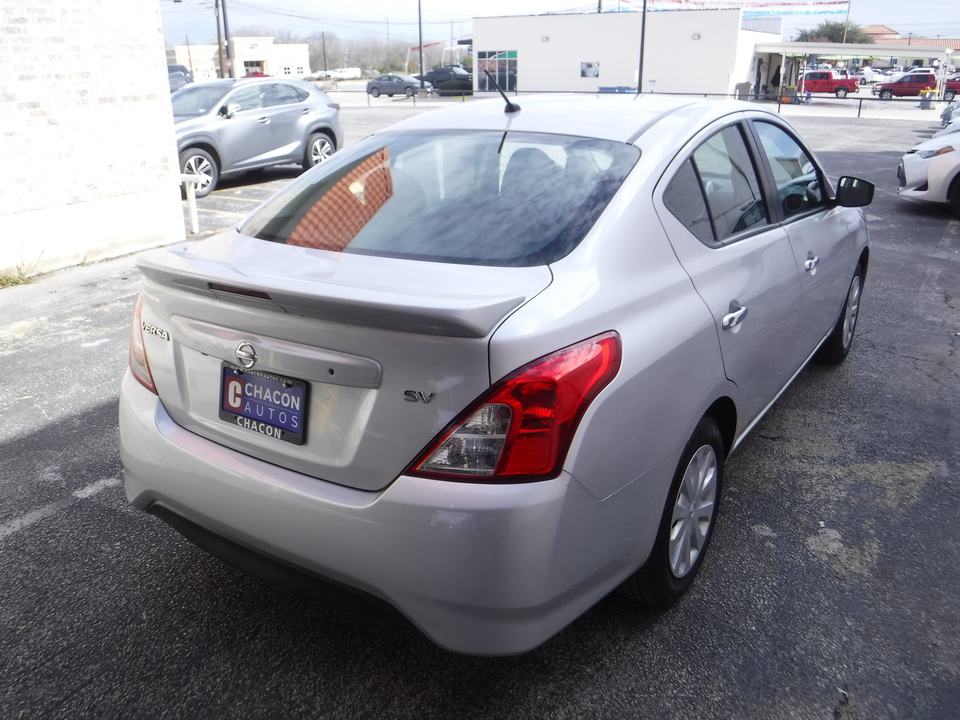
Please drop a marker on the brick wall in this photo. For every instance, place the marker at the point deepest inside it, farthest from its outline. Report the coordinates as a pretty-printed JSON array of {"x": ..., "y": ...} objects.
[{"x": 88, "y": 165}]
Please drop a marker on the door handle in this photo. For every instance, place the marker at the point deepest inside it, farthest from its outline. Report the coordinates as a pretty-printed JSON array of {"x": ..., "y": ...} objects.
[
  {"x": 733, "y": 318},
  {"x": 264, "y": 120},
  {"x": 811, "y": 264}
]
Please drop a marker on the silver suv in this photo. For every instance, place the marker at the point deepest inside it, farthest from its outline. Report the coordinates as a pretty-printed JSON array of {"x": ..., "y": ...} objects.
[{"x": 229, "y": 126}]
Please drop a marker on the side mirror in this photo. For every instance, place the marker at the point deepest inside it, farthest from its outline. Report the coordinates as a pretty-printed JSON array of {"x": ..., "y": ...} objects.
[
  {"x": 854, "y": 192},
  {"x": 228, "y": 111}
]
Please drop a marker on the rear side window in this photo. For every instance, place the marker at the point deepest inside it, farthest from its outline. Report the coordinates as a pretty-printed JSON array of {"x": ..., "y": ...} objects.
[
  {"x": 716, "y": 193},
  {"x": 279, "y": 94},
  {"x": 487, "y": 198}
]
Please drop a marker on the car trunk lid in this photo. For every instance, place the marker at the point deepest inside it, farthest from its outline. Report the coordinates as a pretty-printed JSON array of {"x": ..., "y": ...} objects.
[{"x": 376, "y": 354}]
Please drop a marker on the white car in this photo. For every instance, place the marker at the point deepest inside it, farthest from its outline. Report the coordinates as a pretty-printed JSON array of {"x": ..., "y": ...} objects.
[
  {"x": 931, "y": 171},
  {"x": 482, "y": 368}
]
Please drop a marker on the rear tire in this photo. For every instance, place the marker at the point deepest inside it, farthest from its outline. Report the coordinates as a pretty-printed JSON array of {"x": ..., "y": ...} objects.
[
  {"x": 835, "y": 349},
  {"x": 686, "y": 525},
  {"x": 375, "y": 92},
  {"x": 949, "y": 95},
  {"x": 319, "y": 147}
]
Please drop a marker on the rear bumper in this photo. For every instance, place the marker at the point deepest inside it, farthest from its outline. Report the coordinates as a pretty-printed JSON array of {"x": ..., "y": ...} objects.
[{"x": 479, "y": 569}]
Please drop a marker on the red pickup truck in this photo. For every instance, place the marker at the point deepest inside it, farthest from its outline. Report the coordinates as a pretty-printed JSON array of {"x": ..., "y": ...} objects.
[
  {"x": 951, "y": 88},
  {"x": 826, "y": 82}
]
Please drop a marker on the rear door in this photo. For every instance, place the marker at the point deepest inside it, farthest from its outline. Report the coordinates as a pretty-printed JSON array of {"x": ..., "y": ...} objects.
[
  {"x": 739, "y": 258},
  {"x": 288, "y": 116}
]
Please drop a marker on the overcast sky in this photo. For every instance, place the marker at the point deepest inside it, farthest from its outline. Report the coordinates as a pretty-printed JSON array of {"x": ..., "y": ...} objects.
[{"x": 444, "y": 19}]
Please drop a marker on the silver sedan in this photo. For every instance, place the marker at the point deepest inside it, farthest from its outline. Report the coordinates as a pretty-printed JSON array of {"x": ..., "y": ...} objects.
[{"x": 481, "y": 369}]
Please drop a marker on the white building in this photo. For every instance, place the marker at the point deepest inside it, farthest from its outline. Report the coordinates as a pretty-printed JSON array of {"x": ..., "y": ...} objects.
[
  {"x": 248, "y": 55},
  {"x": 88, "y": 155},
  {"x": 690, "y": 51}
]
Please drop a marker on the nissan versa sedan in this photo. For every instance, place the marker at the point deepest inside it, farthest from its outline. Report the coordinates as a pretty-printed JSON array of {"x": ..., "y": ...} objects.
[
  {"x": 479, "y": 370},
  {"x": 230, "y": 126}
]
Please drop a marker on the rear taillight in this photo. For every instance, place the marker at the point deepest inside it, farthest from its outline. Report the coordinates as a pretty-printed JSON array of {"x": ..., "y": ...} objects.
[
  {"x": 139, "y": 365},
  {"x": 521, "y": 429}
]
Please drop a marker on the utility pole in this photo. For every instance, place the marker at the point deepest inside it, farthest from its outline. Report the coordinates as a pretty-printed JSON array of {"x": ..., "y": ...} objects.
[
  {"x": 847, "y": 21},
  {"x": 223, "y": 64},
  {"x": 643, "y": 46},
  {"x": 226, "y": 36},
  {"x": 420, "y": 25}
]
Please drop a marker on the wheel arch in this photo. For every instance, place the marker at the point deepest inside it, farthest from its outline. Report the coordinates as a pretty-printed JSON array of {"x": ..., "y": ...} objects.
[
  {"x": 724, "y": 413},
  {"x": 326, "y": 130},
  {"x": 206, "y": 147}
]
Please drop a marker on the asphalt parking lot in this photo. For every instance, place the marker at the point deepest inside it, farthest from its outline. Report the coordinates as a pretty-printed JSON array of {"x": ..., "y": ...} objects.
[{"x": 830, "y": 592}]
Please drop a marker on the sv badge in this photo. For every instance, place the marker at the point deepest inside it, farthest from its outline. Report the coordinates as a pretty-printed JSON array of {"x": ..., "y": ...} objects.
[{"x": 417, "y": 396}]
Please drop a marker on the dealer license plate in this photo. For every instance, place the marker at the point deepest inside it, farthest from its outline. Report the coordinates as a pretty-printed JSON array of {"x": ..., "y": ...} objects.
[{"x": 264, "y": 403}]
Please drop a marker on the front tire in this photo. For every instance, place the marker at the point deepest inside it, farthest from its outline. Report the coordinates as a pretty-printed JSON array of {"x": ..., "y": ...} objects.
[
  {"x": 687, "y": 522},
  {"x": 885, "y": 94},
  {"x": 954, "y": 197},
  {"x": 194, "y": 161},
  {"x": 319, "y": 148},
  {"x": 841, "y": 92},
  {"x": 410, "y": 92},
  {"x": 835, "y": 349},
  {"x": 375, "y": 92},
  {"x": 949, "y": 95}
]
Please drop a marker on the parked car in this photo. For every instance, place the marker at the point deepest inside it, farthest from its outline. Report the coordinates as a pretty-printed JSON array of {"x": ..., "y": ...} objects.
[
  {"x": 950, "y": 113},
  {"x": 826, "y": 81},
  {"x": 949, "y": 129},
  {"x": 868, "y": 75},
  {"x": 230, "y": 126},
  {"x": 909, "y": 85},
  {"x": 177, "y": 79},
  {"x": 396, "y": 84},
  {"x": 480, "y": 369},
  {"x": 448, "y": 72},
  {"x": 181, "y": 69},
  {"x": 950, "y": 88},
  {"x": 931, "y": 171}
]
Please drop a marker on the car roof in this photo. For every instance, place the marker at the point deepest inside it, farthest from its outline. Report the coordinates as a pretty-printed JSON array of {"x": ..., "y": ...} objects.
[{"x": 604, "y": 116}]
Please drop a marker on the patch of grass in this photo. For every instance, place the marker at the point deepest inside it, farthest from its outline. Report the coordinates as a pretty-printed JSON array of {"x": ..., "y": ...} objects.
[{"x": 11, "y": 280}]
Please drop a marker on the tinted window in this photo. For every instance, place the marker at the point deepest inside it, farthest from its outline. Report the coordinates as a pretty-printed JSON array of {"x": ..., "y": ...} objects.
[
  {"x": 279, "y": 94},
  {"x": 799, "y": 186},
  {"x": 729, "y": 183},
  {"x": 684, "y": 198},
  {"x": 193, "y": 100},
  {"x": 248, "y": 98},
  {"x": 486, "y": 198}
]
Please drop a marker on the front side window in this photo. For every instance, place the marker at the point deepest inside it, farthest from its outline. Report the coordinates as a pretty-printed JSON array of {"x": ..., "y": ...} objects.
[
  {"x": 249, "y": 97},
  {"x": 486, "y": 198},
  {"x": 799, "y": 185}
]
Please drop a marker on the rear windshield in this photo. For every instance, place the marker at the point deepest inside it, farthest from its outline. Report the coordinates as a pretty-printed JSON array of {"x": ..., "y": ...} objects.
[{"x": 469, "y": 197}]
